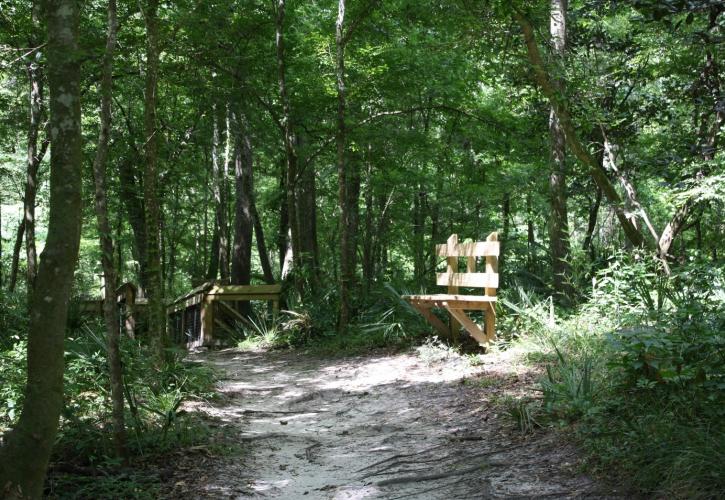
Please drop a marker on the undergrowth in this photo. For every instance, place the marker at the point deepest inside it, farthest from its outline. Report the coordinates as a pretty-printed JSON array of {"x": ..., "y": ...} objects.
[
  {"x": 637, "y": 373},
  {"x": 84, "y": 464},
  {"x": 384, "y": 321}
]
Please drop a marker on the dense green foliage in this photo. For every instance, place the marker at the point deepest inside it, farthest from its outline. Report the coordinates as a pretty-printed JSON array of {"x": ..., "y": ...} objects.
[
  {"x": 446, "y": 131},
  {"x": 640, "y": 370},
  {"x": 85, "y": 462}
]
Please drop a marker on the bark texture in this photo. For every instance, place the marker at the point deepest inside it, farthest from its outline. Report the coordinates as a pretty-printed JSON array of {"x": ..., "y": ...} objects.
[
  {"x": 24, "y": 457},
  {"x": 243, "y": 223},
  {"x": 155, "y": 292},
  {"x": 559, "y": 221}
]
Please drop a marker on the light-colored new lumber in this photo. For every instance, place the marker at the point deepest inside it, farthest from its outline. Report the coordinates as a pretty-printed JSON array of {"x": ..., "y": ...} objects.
[{"x": 475, "y": 280}]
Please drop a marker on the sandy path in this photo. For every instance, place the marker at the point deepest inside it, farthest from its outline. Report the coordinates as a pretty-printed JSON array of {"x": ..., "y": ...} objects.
[{"x": 379, "y": 426}]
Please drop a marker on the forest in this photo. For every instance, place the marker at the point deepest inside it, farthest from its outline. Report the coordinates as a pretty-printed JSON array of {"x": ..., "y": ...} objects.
[{"x": 307, "y": 157}]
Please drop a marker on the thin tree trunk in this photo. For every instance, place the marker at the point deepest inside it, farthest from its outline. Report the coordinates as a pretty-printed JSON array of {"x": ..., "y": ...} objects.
[
  {"x": 572, "y": 140},
  {"x": 155, "y": 309},
  {"x": 213, "y": 269},
  {"x": 243, "y": 224},
  {"x": 347, "y": 271},
  {"x": 289, "y": 143},
  {"x": 261, "y": 245},
  {"x": 283, "y": 239},
  {"x": 220, "y": 201},
  {"x": 16, "y": 256},
  {"x": 505, "y": 216},
  {"x": 588, "y": 245},
  {"x": 35, "y": 77},
  {"x": 367, "y": 257},
  {"x": 106, "y": 241},
  {"x": 559, "y": 220},
  {"x": 530, "y": 230},
  {"x": 25, "y": 454},
  {"x": 418, "y": 236}
]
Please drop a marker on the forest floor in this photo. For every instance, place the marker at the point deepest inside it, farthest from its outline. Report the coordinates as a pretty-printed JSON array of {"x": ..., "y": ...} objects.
[{"x": 382, "y": 425}]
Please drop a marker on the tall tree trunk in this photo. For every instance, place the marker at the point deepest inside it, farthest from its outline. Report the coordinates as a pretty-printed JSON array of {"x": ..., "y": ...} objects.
[
  {"x": 106, "y": 241},
  {"x": 558, "y": 102},
  {"x": 16, "y": 256},
  {"x": 35, "y": 78},
  {"x": 559, "y": 220},
  {"x": 289, "y": 144},
  {"x": 243, "y": 224},
  {"x": 347, "y": 248},
  {"x": 220, "y": 199},
  {"x": 156, "y": 313},
  {"x": 25, "y": 454}
]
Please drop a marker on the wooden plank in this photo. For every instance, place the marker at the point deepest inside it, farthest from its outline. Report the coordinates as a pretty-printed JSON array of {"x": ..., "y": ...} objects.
[
  {"x": 477, "y": 280},
  {"x": 457, "y": 304},
  {"x": 452, "y": 269},
  {"x": 245, "y": 289},
  {"x": 242, "y": 297},
  {"x": 447, "y": 297},
  {"x": 473, "y": 249},
  {"x": 441, "y": 327},
  {"x": 469, "y": 325},
  {"x": 492, "y": 266},
  {"x": 490, "y": 322}
]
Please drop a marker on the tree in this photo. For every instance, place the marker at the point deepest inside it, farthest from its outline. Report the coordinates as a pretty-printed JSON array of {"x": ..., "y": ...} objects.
[
  {"x": 156, "y": 311},
  {"x": 559, "y": 222},
  {"x": 110, "y": 312},
  {"x": 24, "y": 457},
  {"x": 34, "y": 153}
]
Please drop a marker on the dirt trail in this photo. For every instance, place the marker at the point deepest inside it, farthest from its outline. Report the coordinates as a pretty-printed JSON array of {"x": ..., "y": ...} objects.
[{"x": 379, "y": 426}]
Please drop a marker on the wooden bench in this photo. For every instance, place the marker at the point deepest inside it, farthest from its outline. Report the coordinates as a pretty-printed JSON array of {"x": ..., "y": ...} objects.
[{"x": 457, "y": 304}]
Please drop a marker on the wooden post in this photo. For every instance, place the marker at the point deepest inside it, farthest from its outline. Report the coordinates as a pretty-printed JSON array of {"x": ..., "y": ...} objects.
[
  {"x": 207, "y": 321},
  {"x": 490, "y": 315},
  {"x": 452, "y": 264}
]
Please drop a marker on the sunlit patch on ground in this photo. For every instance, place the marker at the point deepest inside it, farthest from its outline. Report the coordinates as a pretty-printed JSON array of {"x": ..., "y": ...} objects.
[{"x": 380, "y": 426}]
